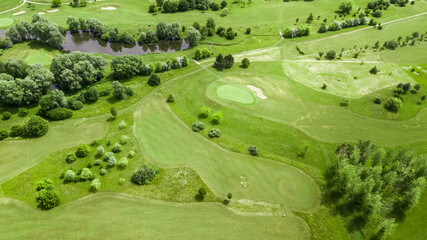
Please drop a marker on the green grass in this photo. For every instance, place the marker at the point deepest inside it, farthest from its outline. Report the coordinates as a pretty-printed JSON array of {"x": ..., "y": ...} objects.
[
  {"x": 32, "y": 52},
  {"x": 5, "y": 22},
  {"x": 39, "y": 56},
  {"x": 236, "y": 94},
  {"x": 108, "y": 215},
  {"x": 8, "y": 4}
]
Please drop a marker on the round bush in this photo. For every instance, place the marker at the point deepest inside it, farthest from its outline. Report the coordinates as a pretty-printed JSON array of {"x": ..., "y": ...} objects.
[
  {"x": 121, "y": 181},
  {"x": 7, "y": 115},
  {"x": 111, "y": 162},
  {"x": 198, "y": 126},
  {"x": 204, "y": 112},
  {"x": 214, "y": 133},
  {"x": 47, "y": 198},
  {"x": 131, "y": 154},
  {"x": 122, "y": 125},
  {"x": 245, "y": 63},
  {"x": 82, "y": 150},
  {"x": 36, "y": 126},
  {"x": 77, "y": 105},
  {"x": 95, "y": 185},
  {"x": 97, "y": 162},
  {"x": 17, "y": 130},
  {"x": 69, "y": 176},
  {"x": 103, "y": 172},
  {"x": 393, "y": 104},
  {"x": 22, "y": 112},
  {"x": 70, "y": 158},
  {"x": 86, "y": 174},
  {"x": 154, "y": 80},
  {"x": 58, "y": 114},
  {"x": 253, "y": 150},
  {"x": 117, "y": 148},
  {"x": 100, "y": 151},
  {"x": 331, "y": 55},
  {"x": 3, "y": 134},
  {"x": 144, "y": 175},
  {"x": 123, "y": 163},
  {"x": 108, "y": 155},
  {"x": 124, "y": 139}
]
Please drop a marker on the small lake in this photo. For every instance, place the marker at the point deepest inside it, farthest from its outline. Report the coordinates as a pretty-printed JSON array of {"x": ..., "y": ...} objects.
[{"x": 84, "y": 42}]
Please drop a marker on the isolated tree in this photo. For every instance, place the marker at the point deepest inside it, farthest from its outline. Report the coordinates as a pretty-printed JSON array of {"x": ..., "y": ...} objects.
[
  {"x": 36, "y": 127},
  {"x": 204, "y": 112},
  {"x": 118, "y": 90},
  {"x": 393, "y": 104},
  {"x": 193, "y": 36},
  {"x": 82, "y": 150},
  {"x": 170, "y": 99},
  {"x": 253, "y": 150},
  {"x": 46, "y": 196},
  {"x": 154, "y": 80},
  {"x": 346, "y": 6},
  {"x": 373, "y": 70},
  {"x": 217, "y": 117},
  {"x": 245, "y": 63},
  {"x": 113, "y": 112},
  {"x": 331, "y": 55},
  {"x": 95, "y": 185}
]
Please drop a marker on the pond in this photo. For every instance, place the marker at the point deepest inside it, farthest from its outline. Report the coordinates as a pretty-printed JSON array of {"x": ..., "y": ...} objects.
[{"x": 84, "y": 42}]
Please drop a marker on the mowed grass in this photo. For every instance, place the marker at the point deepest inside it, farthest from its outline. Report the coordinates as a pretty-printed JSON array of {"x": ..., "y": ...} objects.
[
  {"x": 32, "y": 52},
  {"x": 236, "y": 94},
  {"x": 39, "y": 56},
  {"x": 8, "y": 4},
  {"x": 116, "y": 216},
  {"x": 223, "y": 171},
  {"x": 5, "y": 22}
]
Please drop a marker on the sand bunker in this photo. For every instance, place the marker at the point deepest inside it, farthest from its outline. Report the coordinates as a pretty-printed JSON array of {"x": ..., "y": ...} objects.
[
  {"x": 41, "y": 13},
  {"x": 257, "y": 91},
  {"x": 19, "y": 13},
  {"x": 108, "y": 8},
  {"x": 54, "y": 10}
]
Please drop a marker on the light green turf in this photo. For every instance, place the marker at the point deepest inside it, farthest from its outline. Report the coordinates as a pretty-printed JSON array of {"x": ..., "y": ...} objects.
[
  {"x": 223, "y": 171},
  {"x": 236, "y": 94},
  {"x": 8, "y": 4},
  {"x": 115, "y": 216},
  {"x": 5, "y": 22},
  {"x": 39, "y": 56}
]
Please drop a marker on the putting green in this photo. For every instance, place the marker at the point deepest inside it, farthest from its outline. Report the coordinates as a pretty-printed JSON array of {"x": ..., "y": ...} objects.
[
  {"x": 5, "y": 22},
  {"x": 235, "y": 94}
]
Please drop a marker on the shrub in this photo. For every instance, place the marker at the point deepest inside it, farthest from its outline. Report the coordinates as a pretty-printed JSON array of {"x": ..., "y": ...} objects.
[
  {"x": 248, "y": 30},
  {"x": 198, "y": 126},
  {"x": 108, "y": 155},
  {"x": 46, "y": 196},
  {"x": 154, "y": 80},
  {"x": 102, "y": 172},
  {"x": 91, "y": 94},
  {"x": 245, "y": 63},
  {"x": 253, "y": 150},
  {"x": 331, "y": 55},
  {"x": 144, "y": 175},
  {"x": 131, "y": 154},
  {"x": 36, "y": 126},
  {"x": 417, "y": 86},
  {"x": 22, "y": 112},
  {"x": 59, "y": 114},
  {"x": 86, "y": 174},
  {"x": 214, "y": 133},
  {"x": 124, "y": 139},
  {"x": 113, "y": 112},
  {"x": 123, "y": 163},
  {"x": 7, "y": 115},
  {"x": 105, "y": 92},
  {"x": 377, "y": 101},
  {"x": 122, "y": 124},
  {"x": 95, "y": 185},
  {"x": 82, "y": 150},
  {"x": 393, "y": 104},
  {"x": 170, "y": 99},
  {"x": 121, "y": 181},
  {"x": 204, "y": 112},
  {"x": 97, "y": 162},
  {"x": 201, "y": 194},
  {"x": 69, "y": 176},
  {"x": 229, "y": 196},
  {"x": 374, "y": 70},
  {"x": 70, "y": 158},
  {"x": 324, "y": 86},
  {"x": 100, "y": 151},
  {"x": 3, "y": 134},
  {"x": 77, "y": 105},
  {"x": 217, "y": 117},
  {"x": 111, "y": 162},
  {"x": 117, "y": 147},
  {"x": 17, "y": 130}
]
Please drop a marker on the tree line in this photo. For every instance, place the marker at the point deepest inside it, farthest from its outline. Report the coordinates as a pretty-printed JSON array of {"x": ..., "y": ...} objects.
[{"x": 172, "y": 6}]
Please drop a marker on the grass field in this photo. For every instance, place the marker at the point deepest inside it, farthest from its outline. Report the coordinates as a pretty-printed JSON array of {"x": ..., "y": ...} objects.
[
  {"x": 5, "y": 22},
  {"x": 236, "y": 94}
]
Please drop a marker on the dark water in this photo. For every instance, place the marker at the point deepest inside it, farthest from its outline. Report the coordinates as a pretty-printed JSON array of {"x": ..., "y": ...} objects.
[{"x": 84, "y": 42}]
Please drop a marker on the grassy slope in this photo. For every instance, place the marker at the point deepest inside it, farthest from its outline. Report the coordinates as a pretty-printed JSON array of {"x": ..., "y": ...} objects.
[{"x": 115, "y": 216}]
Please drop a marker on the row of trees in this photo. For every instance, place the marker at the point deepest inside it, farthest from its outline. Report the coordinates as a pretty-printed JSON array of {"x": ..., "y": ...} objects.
[
  {"x": 223, "y": 62},
  {"x": 336, "y": 25},
  {"x": 40, "y": 29},
  {"x": 375, "y": 186},
  {"x": 171, "y": 6},
  {"x": 299, "y": 31}
]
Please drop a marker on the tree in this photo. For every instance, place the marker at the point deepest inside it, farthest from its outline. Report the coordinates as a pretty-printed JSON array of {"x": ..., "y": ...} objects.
[
  {"x": 113, "y": 112},
  {"x": 217, "y": 117},
  {"x": 6, "y": 115},
  {"x": 204, "y": 112},
  {"x": 86, "y": 174},
  {"x": 69, "y": 176},
  {"x": 82, "y": 150},
  {"x": 331, "y": 55},
  {"x": 123, "y": 163},
  {"x": 154, "y": 80},
  {"x": 253, "y": 150},
  {"x": 201, "y": 194},
  {"x": 46, "y": 196},
  {"x": 310, "y": 18},
  {"x": 56, "y": 3},
  {"x": 346, "y": 6},
  {"x": 373, "y": 70},
  {"x": 193, "y": 36},
  {"x": 144, "y": 175},
  {"x": 393, "y": 104},
  {"x": 210, "y": 23},
  {"x": 214, "y": 133},
  {"x": 245, "y": 63},
  {"x": 170, "y": 99},
  {"x": 127, "y": 66},
  {"x": 95, "y": 185},
  {"x": 73, "y": 24},
  {"x": 70, "y": 158},
  {"x": 17, "y": 130},
  {"x": 118, "y": 90},
  {"x": 117, "y": 148},
  {"x": 3, "y": 134},
  {"x": 36, "y": 127},
  {"x": 198, "y": 126}
]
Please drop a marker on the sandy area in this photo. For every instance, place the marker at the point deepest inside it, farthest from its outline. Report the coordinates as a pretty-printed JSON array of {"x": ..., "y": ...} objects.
[
  {"x": 41, "y": 13},
  {"x": 257, "y": 91},
  {"x": 54, "y": 10},
  {"x": 108, "y": 8},
  {"x": 19, "y": 13}
]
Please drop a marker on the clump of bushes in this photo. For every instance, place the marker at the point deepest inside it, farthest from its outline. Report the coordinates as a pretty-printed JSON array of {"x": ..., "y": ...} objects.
[
  {"x": 85, "y": 174},
  {"x": 95, "y": 185},
  {"x": 117, "y": 147},
  {"x": 58, "y": 114},
  {"x": 70, "y": 158},
  {"x": 4, "y": 134},
  {"x": 299, "y": 31},
  {"x": 46, "y": 195},
  {"x": 204, "y": 112},
  {"x": 222, "y": 62},
  {"x": 393, "y": 104},
  {"x": 214, "y": 133},
  {"x": 253, "y": 150},
  {"x": 144, "y": 175},
  {"x": 36, "y": 127},
  {"x": 201, "y": 54},
  {"x": 198, "y": 126},
  {"x": 17, "y": 130},
  {"x": 82, "y": 150}
]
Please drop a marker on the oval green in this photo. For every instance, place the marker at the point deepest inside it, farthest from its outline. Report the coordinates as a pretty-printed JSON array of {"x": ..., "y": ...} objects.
[{"x": 235, "y": 94}]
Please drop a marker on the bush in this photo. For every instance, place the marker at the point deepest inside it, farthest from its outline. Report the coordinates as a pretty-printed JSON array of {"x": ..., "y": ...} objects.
[
  {"x": 97, "y": 162},
  {"x": 3, "y": 134},
  {"x": 374, "y": 70},
  {"x": 393, "y": 104},
  {"x": 214, "y": 133},
  {"x": 103, "y": 172},
  {"x": 204, "y": 112},
  {"x": 69, "y": 176},
  {"x": 95, "y": 185},
  {"x": 331, "y": 55},
  {"x": 36, "y": 127},
  {"x": 70, "y": 158},
  {"x": 82, "y": 150},
  {"x": 91, "y": 94},
  {"x": 117, "y": 147},
  {"x": 377, "y": 101},
  {"x": 154, "y": 80},
  {"x": 121, "y": 181},
  {"x": 7, "y": 115},
  {"x": 170, "y": 99},
  {"x": 201, "y": 194},
  {"x": 86, "y": 174},
  {"x": 245, "y": 63},
  {"x": 122, "y": 124},
  {"x": 217, "y": 117},
  {"x": 59, "y": 114},
  {"x": 17, "y": 130},
  {"x": 105, "y": 92},
  {"x": 46, "y": 196},
  {"x": 131, "y": 154},
  {"x": 253, "y": 150},
  {"x": 100, "y": 151},
  {"x": 198, "y": 126},
  {"x": 144, "y": 175},
  {"x": 248, "y": 30},
  {"x": 22, "y": 112},
  {"x": 76, "y": 105},
  {"x": 108, "y": 155},
  {"x": 123, "y": 163},
  {"x": 111, "y": 162},
  {"x": 124, "y": 139}
]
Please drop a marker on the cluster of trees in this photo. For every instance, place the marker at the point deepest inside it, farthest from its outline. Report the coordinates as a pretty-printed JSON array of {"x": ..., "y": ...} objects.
[
  {"x": 35, "y": 126},
  {"x": 164, "y": 31},
  {"x": 375, "y": 186},
  {"x": 346, "y": 6},
  {"x": 171, "y": 6},
  {"x": 77, "y": 3},
  {"x": 201, "y": 54},
  {"x": 21, "y": 84},
  {"x": 336, "y": 25},
  {"x": 299, "y": 31},
  {"x": 5, "y": 43},
  {"x": 46, "y": 195},
  {"x": 222, "y": 62},
  {"x": 128, "y": 65},
  {"x": 144, "y": 175},
  {"x": 393, "y": 104},
  {"x": 98, "y": 29},
  {"x": 227, "y": 33},
  {"x": 40, "y": 29},
  {"x": 393, "y": 44}
]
